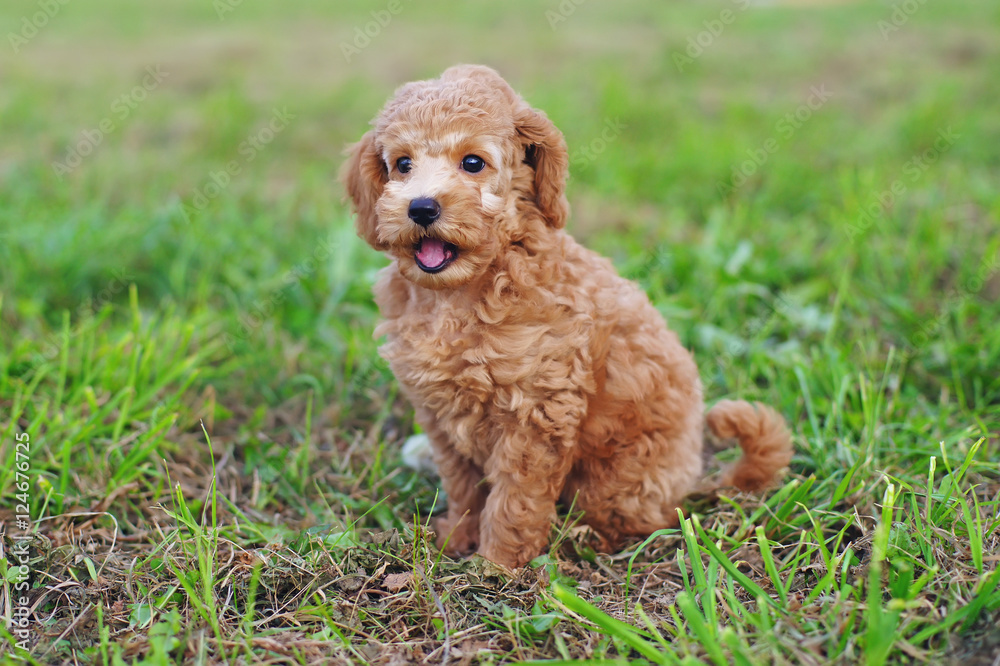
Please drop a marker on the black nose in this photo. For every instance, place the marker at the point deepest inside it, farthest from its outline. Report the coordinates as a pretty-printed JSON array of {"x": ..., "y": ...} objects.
[{"x": 424, "y": 211}]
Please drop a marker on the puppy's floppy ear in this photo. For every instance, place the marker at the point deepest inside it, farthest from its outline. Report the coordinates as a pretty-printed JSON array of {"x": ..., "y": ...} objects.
[
  {"x": 545, "y": 152},
  {"x": 364, "y": 176}
]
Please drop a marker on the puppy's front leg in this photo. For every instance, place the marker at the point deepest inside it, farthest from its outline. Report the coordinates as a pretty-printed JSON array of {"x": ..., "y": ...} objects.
[
  {"x": 526, "y": 477},
  {"x": 458, "y": 532}
]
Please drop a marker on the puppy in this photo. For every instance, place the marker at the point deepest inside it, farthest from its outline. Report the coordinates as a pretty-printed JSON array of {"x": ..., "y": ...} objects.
[{"x": 537, "y": 372}]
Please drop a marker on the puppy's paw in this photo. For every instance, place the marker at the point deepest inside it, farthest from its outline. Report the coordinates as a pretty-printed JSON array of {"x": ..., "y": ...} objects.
[{"x": 457, "y": 539}]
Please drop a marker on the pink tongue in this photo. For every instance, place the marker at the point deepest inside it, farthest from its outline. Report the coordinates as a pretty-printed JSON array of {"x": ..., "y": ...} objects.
[{"x": 431, "y": 252}]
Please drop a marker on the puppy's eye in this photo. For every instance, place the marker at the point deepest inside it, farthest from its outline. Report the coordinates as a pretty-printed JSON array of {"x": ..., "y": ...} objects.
[
  {"x": 404, "y": 164},
  {"x": 473, "y": 163}
]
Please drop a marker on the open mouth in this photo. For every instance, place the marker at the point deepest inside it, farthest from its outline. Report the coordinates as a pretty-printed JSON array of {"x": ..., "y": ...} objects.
[{"x": 433, "y": 255}]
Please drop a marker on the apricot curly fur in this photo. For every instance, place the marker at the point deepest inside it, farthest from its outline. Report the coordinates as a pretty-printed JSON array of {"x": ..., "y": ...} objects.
[{"x": 537, "y": 372}]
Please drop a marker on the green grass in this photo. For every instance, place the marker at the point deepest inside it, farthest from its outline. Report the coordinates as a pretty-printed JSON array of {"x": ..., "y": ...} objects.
[{"x": 213, "y": 468}]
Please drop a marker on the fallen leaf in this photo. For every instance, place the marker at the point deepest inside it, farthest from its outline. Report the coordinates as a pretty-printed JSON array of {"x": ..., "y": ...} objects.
[{"x": 397, "y": 581}]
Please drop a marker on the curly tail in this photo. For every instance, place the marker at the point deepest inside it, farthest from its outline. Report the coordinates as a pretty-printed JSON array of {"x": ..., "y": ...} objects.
[{"x": 763, "y": 436}]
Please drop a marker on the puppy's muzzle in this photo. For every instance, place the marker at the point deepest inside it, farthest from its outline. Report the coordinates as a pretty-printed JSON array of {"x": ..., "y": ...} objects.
[{"x": 424, "y": 211}]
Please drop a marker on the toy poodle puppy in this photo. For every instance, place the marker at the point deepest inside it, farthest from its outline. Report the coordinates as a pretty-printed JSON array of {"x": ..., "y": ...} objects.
[{"x": 538, "y": 374}]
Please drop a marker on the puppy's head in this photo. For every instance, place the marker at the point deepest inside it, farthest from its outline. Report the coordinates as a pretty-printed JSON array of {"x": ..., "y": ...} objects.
[{"x": 455, "y": 171}]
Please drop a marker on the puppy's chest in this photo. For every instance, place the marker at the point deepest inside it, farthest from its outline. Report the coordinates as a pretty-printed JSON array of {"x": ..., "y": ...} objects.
[
  {"x": 474, "y": 389},
  {"x": 438, "y": 355}
]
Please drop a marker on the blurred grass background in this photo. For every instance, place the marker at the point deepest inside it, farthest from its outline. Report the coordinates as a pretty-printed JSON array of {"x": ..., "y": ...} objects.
[
  {"x": 253, "y": 312},
  {"x": 684, "y": 131}
]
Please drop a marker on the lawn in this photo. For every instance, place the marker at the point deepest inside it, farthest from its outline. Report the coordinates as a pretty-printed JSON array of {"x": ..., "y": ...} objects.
[{"x": 201, "y": 447}]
